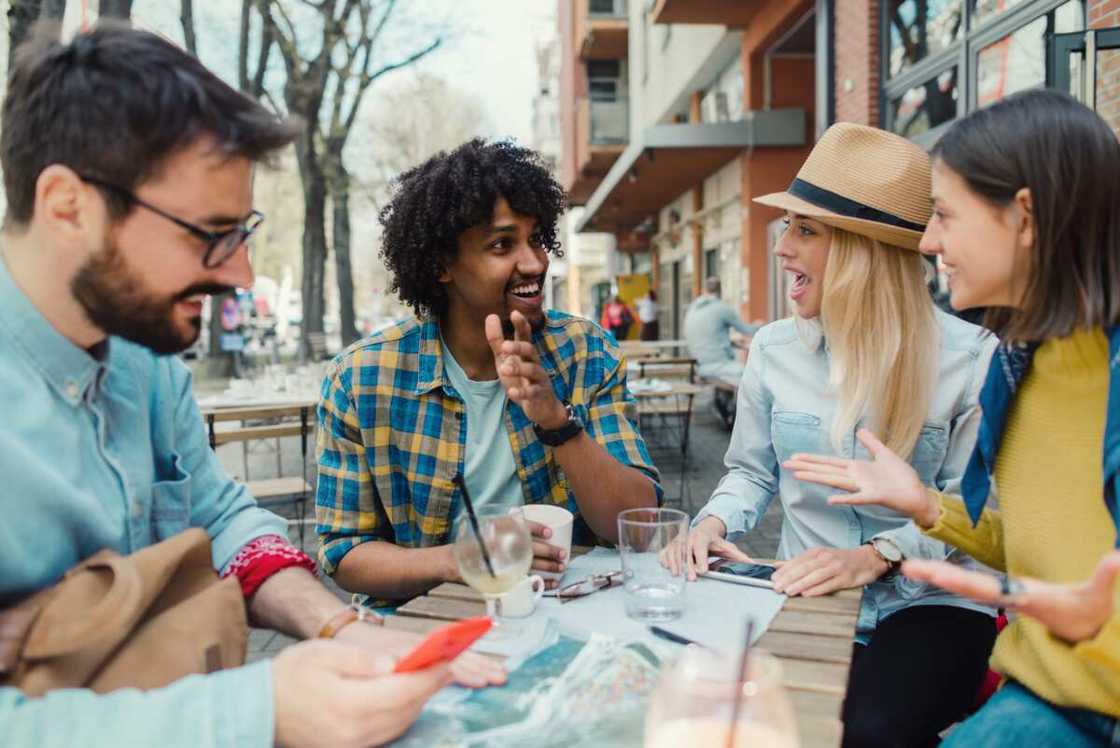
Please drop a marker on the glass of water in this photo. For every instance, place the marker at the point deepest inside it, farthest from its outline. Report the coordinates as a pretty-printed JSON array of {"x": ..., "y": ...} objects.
[{"x": 653, "y": 591}]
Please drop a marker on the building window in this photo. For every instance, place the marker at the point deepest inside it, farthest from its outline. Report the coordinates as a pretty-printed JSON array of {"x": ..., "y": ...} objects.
[
  {"x": 711, "y": 263},
  {"x": 612, "y": 8},
  {"x": 945, "y": 58}
]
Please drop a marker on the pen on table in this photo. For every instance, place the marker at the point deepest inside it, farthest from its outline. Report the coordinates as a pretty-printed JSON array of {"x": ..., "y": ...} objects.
[{"x": 669, "y": 635}]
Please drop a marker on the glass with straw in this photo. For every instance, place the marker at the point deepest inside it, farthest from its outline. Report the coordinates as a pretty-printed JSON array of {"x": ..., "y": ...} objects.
[
  {"x": 711, "y": 699},
  {"x": 494, "y": 551}
]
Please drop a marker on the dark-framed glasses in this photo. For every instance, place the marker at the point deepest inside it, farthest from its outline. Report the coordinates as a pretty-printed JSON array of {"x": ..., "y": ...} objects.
[{"x": 220, "y": 245}]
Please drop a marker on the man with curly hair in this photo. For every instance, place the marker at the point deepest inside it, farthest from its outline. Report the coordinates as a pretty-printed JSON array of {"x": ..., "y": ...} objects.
[{"x": 525, "y": 405}]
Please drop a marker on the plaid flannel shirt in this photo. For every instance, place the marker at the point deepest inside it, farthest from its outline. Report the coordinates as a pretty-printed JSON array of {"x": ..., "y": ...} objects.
[{"x": 392, "y": 435}]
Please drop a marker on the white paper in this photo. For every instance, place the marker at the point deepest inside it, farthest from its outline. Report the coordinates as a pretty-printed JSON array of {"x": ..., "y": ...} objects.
[{"x": 715, "y": 613}]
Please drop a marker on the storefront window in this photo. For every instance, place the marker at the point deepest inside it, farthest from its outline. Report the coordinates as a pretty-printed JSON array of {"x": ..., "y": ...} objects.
[
  {"x": 1018, "y": 61},
  {"x": 926, "y": 106},
  {"x": 940, "y": 63},
  {"x": 920, "y": 28}
]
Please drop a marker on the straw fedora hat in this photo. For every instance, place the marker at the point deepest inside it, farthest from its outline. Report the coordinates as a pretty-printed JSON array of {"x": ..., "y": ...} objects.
[{"x": 864, "y": 180}]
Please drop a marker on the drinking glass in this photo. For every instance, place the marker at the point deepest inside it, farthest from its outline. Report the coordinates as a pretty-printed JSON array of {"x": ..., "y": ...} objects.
[
  {"x": 653, "y": 591},
  {"x": 694, "y": 702},
  {"x": 506, "y": 536}
]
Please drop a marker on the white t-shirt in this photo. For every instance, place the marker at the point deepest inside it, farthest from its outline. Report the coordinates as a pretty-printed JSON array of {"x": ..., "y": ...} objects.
[
  {"x": 647, "y": 309},
  {"x": 489, "y": 469}
]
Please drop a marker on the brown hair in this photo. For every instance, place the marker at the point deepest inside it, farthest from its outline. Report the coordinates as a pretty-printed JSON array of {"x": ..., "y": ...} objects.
[
  {"x": 1069, "y": 160},
  {"x": 113, "y": 104}
]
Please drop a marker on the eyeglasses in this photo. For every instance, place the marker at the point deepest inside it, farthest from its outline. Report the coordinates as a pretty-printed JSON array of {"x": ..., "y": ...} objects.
[
  {"x": 589, "y": 585},
  {"x": 220, "y": 245}
]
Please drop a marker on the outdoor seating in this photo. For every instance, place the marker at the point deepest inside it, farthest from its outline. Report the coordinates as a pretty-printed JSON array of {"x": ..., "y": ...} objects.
[{"x": 256, "y": 424}]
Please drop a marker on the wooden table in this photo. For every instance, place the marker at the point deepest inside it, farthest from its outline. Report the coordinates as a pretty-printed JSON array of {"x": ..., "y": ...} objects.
[{"x": 811, "y": 637}]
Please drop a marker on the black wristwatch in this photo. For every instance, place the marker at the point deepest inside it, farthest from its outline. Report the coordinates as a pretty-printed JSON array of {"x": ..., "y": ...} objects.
[{"x": 556, "y": 437}]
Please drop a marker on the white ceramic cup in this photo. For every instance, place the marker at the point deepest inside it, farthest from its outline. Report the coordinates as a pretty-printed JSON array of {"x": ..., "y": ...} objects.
[
  {"x": 559, "y": 520},
  {"x": 520, "y": 601}
]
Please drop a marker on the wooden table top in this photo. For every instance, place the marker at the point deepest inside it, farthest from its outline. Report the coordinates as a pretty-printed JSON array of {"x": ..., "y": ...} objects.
[{"x": 811, "y": 637}]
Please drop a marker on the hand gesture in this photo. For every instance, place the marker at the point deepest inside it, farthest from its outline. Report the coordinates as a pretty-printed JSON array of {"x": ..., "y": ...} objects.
[
  {"x": 886, "y": 479},
  {"x": 1074, "y": 612},
  {"x": 521, "y": 374}
]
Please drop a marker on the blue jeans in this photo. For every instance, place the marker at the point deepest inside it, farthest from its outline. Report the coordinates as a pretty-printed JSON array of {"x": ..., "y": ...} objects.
[{"x": 1014, "y": 716}]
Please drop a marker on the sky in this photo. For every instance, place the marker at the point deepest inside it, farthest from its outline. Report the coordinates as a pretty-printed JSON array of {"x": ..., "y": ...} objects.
[
  {"x": 494, "y": 59},
  {"x": 489, "y": 53}
]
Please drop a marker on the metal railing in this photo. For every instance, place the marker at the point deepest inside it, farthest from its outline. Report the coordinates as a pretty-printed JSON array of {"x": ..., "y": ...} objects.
[{"x": 610, "y": 122}]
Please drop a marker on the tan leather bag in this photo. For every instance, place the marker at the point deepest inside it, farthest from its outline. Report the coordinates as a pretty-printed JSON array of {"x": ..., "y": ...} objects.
[{"x": 139, "y": 621}]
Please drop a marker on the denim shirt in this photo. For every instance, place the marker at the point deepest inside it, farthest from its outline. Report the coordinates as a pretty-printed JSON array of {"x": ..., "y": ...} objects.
[
  {"x": 1010, "y": 364},
  {"x": 107, "y": 450},
  {"x": 786, "y": 406}
]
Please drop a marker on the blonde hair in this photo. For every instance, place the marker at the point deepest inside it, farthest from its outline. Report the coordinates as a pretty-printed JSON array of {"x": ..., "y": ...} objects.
[{"x": 878, "y": 319}]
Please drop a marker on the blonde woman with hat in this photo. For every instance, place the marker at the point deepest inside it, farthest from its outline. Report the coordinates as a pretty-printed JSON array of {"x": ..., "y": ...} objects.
[
  {"x": 1027, "y": 224},
  {"x": 866, "y": 347}
]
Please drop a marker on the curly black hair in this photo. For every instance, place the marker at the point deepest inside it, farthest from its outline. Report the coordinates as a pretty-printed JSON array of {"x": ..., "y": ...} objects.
[{"x": 435, "y": 202}]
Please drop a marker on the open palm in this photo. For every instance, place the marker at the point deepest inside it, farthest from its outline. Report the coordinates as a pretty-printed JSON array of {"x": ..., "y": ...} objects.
[
  {"x": 886, "y": 479},
  {"x": 1073, "y": 611}
]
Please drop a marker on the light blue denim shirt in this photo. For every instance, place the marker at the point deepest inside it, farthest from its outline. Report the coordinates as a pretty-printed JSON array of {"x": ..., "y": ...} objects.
[
  {"x": 109, "y": 451},
  {"x": 786, "y": 406}
]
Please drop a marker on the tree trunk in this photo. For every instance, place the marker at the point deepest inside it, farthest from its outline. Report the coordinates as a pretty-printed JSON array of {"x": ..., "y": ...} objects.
[
  {"x": 53, "y": 9},
  {"x": 115, "y": 9},
  {"x": 186, "y": 17},
  {"x": 21, "y": 15},
  {"x": 340, "y": 207},
  {"x": 314, "y": 240}
]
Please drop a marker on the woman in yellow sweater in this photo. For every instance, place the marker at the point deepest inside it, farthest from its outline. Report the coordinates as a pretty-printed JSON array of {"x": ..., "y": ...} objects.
[{"x": 1026, "y": 221}]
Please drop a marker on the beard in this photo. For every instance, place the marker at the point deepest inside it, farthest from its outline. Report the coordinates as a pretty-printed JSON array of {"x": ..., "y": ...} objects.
[{"x": 115, "y": 300}]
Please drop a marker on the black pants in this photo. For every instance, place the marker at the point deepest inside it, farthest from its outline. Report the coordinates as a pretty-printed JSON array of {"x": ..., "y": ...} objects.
[
  {"x": 920, "y": 673},
  {"x": 651, "y": 330}
]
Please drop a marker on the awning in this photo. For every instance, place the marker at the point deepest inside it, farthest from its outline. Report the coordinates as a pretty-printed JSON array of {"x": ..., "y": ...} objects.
[
  {"x": 732, "y": 13},
  {"x": 669, "y": 159}
]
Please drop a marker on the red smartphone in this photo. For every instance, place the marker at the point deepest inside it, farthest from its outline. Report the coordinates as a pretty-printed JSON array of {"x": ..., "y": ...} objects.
[{"x": 444, "y": 644}]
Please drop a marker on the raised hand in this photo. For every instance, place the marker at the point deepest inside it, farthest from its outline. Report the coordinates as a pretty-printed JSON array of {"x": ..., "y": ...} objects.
[
  {"x": 521, "y": 374},
  {"x": 1074, "y": 612},
  {"x": 886, "y": 479}
]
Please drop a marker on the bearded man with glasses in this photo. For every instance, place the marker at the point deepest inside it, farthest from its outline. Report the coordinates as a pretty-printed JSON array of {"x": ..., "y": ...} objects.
[{"x": 128, "y": 174}]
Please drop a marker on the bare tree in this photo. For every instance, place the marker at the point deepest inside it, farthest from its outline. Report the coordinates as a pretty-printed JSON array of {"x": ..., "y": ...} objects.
[
  {"x": 325, "y": 89},
  {"x": 186, "y": 17},
  {"x": 22, "y": 15}
]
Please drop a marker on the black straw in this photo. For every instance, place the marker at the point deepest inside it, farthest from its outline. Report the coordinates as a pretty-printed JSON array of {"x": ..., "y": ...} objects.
[
  {"x": 462, "y": 484},
  {"x": 740, "y": 686}
]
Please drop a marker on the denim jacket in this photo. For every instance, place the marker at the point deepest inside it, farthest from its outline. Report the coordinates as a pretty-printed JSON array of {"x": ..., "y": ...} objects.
[
  {"x": 107, "y": 450},
  {"x": 786, "y": 406},
  {"x": 1010, "y": 364}
]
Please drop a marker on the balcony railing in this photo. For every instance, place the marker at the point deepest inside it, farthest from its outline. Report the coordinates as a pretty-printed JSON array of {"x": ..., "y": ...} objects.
[
  {"x": 606, "y": 8},
  {"x": 610, "y": 122}
]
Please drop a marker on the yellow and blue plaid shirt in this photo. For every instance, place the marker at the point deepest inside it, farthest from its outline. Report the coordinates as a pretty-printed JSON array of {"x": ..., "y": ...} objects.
[{"x": 392, "y": 432}]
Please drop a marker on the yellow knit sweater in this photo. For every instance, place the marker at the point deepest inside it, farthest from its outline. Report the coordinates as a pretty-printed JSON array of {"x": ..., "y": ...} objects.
[{"x": 1051, "y": 523}]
